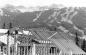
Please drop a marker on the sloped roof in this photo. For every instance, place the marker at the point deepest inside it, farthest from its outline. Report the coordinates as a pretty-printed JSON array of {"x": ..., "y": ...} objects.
[
  {"x": 25, "y": 38},
  {"x": 66, "y": 43},
  {"x": 42, "y": 34},
  {"x": 3, "y": 30},
  {"x": 3, "y": 39},
  {"x": 19, "y": 31},
  {"x": 62, "y": 40}
]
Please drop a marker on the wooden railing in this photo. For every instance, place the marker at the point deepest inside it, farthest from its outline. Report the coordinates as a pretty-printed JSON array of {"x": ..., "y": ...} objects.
[{"x": 38, "y": 49}]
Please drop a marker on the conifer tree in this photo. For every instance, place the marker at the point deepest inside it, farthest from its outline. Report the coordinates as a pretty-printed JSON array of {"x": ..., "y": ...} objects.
[
  {"x": 4, "y": 25},
  {"x": 76, "y": 39},
  {"x": 10, "y": 25}
]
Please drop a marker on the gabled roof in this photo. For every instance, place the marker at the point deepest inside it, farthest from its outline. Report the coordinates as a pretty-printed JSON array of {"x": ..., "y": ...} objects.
[
  {"x": 62, "y": 40},
  {"x": 66, "y": 43},
  {"x": 3, "y": 39},
  {"x": 42, "y": 35}
]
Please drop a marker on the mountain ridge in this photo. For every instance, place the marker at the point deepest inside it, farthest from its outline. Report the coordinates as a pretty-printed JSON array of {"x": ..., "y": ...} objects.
[{"x": 71, "y": 18}]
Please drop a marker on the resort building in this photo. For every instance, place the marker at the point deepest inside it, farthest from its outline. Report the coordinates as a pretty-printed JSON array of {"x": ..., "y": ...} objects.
[{"x": 41, "y": 42}]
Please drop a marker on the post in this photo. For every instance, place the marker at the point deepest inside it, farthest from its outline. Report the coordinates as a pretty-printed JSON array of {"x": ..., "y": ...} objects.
[
  {"x": 12, "y": 51},
  {"x": 3, "y": 50},
  {"x": 15, "y": 43},
  {"x": 27, "y": 50},
  {"x": 8, "y": 46},
  {"x": 33, "y": 49},
  {"x": 51, "y": 51},
  {"x": 30, "y": 53},
  {"x": 60, "y": 52},
  {"x": 19, "y": 50},
  {"x": 24, "y": 50},
  {"x": 0, "y": 50},
  {"x": 71, "y": 53},
  {"x": 18, "y": 53},
  {"x": 55, "y": 51},
  {"x": 44, "y": 50},
  {"x": 47, "y": 51}
]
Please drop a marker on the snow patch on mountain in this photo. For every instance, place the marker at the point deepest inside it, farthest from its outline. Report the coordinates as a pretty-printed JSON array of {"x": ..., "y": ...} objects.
[
  {"x": 1, "y": 12},
  {"x": 38, "y": 15}
]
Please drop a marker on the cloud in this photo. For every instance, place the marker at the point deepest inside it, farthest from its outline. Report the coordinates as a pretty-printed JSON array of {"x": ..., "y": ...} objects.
[{"x": 43, "y": 2}]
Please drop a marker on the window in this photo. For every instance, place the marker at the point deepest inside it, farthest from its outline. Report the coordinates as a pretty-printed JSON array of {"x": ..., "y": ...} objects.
[
  {"x": 58, "y": 50},
  {"x": 52, "y": 49}
]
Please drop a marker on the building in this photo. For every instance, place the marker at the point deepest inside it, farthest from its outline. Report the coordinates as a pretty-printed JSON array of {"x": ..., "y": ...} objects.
[
  {"x": 38, "y": 44},
  {"x": 45, "y": 42},
  {"x": 49, "y": 44},
  {"x": 3, "y": 40}
]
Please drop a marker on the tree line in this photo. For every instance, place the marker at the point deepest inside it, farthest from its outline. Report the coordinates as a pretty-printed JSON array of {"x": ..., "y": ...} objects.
[{"x": 7, "y": 26}]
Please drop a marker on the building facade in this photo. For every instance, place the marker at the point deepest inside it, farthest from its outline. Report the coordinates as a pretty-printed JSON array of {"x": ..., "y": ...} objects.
[{"x": 42, "y": 42}]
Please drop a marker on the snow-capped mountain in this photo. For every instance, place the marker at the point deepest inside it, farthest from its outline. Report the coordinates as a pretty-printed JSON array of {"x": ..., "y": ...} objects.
[{"x": 72, "y": 19}]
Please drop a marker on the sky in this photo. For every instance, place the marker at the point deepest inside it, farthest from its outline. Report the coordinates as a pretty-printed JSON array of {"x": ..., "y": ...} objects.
[{"x": 29, "y": 3}]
